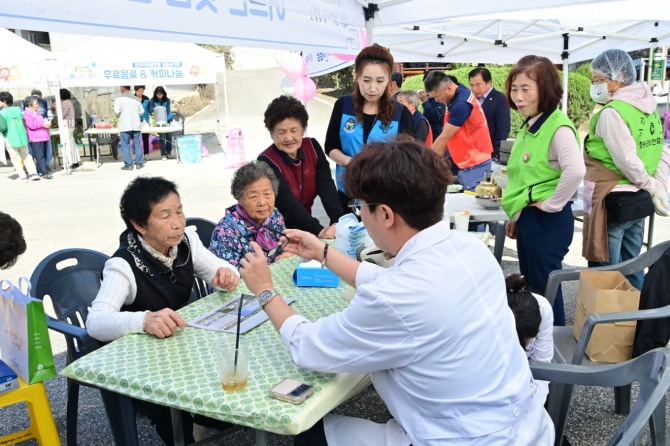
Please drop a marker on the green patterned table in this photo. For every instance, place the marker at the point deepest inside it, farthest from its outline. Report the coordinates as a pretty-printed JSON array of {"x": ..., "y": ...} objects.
[{"x": 180, "y": 371}]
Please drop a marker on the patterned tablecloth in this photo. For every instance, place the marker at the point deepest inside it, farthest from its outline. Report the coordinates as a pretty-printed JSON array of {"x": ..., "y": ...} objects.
[{"x": 180, "y": 371}]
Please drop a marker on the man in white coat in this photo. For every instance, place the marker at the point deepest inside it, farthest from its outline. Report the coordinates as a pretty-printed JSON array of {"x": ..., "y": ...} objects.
[{"x": 434, "y": 330}]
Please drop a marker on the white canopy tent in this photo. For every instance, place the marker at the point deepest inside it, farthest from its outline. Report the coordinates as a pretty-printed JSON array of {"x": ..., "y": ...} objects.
[
  {"x": 300, "y": 25},
  {"x": 113, "y": 61},
  {"x": 21, "y": 62},
  {"x": 506, "y": 37},
  {"x": 109, "y": 61}
]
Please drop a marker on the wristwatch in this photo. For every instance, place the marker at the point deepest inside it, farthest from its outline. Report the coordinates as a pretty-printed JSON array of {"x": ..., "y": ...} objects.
[{"x": 265, "y": 297}]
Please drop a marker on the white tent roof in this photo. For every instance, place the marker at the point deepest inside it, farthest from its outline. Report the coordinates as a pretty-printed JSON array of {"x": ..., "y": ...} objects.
[
  {"x": 108, "y": 61},
  {"x": 505, "y": 41},
  {"x": 504, "y": 37},
  {"x": 21, "y": 62},
  {"x": 305, "y": 25}
]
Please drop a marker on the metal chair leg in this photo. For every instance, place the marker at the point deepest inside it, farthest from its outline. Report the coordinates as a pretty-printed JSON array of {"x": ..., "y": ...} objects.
[
  {"x": 121, "y": 416},
  {"x": 72, "y": 409},
  {"x": 622, "y": 400}
]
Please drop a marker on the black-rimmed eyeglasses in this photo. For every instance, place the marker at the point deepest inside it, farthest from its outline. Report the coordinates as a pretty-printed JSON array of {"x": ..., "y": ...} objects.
[
  {"x": 272, "y": 251},
  {"x": 356, "y": 205}
]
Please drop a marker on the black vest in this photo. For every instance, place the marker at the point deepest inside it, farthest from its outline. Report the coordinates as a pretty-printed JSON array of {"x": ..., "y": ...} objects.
[{"x": 158, "y": 287}]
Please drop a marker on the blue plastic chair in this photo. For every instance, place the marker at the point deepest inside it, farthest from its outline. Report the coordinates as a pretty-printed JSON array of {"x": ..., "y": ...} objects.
[
  {"x": 650, "y": 370},
  {"x": 71, "y": 279},
  {"x": 204, "y": 229},
  {"x": 570, "y": 351}
]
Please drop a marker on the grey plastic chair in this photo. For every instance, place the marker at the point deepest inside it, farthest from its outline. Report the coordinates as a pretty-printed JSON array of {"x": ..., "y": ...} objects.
[
  {"x": 71, "y": 278},
  {"x": 650, "y": 370},
  {"x": 204, "y": 229},
  {"x": 568, "y": 350}
]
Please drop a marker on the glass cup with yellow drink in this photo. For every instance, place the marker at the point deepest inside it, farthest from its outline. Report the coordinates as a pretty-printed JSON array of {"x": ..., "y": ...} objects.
[{"x": 233, "y": 363}]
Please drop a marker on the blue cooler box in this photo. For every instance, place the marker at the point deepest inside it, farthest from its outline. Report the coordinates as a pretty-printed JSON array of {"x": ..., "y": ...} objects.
[{"x": 189, "y": 148}]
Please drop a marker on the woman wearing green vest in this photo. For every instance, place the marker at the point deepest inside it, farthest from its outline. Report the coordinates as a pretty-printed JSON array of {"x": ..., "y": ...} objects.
[
  {"x": 545, "y": 169},
  {"x": 627, "y": 165}
]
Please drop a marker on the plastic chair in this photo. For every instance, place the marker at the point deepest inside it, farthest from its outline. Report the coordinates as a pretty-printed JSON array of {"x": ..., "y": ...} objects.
[
  {"x": 71, "y": 278},
  {"x": 42, "y": 427},
  {"x": 568, "y": 350},
  {"x": 204, "y": 229},
  {"x": 650, "y": 370}
]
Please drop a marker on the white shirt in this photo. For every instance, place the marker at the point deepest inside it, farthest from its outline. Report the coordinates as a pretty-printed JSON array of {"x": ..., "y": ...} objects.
[
  {"x": 541, "y": 347},
  {"x": 436, "y": 333},
  {"x": 106, "y": 322},
  {"x": 129, "y": 108}
]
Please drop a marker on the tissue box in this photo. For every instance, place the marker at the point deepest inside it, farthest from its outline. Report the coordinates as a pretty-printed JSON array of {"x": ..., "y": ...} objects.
[
  {"x": 311, "y": 274},
  {"x": 8, "y": 379}
]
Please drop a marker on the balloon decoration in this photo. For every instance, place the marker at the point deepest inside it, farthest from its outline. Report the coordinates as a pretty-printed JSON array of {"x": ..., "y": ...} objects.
[
  {"x": 296, "y": 80},
  {"x": 304, "y": 89},
  {"x": 293, "y": 66}
]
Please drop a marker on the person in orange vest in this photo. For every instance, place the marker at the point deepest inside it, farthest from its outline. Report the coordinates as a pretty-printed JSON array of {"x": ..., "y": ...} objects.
[
  {"x": 465, "y": 134},
  {"x": 423, "y": 131}
]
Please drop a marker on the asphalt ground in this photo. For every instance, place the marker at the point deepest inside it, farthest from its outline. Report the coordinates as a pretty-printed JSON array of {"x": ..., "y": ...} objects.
[{"x": 81, "y": 210}]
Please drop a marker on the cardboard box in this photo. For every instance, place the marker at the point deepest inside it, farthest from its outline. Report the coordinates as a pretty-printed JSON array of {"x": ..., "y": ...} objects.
[
  {"x": 606, "y": 292},
  {"x": 310, "y": 274},
  {"x": 8, "y": 378}
]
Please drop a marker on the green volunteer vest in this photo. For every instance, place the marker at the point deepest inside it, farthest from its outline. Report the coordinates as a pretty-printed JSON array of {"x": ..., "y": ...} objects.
[
  {"x": 16, "y": 131},
  {"x": 646, "y": 129},
  {"x": 534, "y": 178}
]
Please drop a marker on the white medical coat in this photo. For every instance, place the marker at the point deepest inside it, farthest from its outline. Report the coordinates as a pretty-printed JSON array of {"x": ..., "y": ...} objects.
[{"x": 440, "y": 342}]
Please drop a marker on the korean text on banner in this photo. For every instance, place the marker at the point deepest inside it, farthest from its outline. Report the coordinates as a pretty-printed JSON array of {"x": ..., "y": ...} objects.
[{"x": 24, "y": 336}]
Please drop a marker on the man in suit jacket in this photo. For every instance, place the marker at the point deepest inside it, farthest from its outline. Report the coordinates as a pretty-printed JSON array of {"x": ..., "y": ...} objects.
[{"x": 494, "y": 104}]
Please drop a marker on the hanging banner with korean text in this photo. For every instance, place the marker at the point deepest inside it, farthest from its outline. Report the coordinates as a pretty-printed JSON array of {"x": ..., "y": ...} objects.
[{"x": 306, "y": 25}]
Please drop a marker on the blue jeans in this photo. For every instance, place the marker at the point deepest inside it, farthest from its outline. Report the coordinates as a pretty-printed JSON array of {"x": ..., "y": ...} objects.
[
  {"x": 49, "y": 153},
  {"x": 125, "y": 146},
  {"x": 624, "y": 241},
  {"x": 470, "y": 177}
]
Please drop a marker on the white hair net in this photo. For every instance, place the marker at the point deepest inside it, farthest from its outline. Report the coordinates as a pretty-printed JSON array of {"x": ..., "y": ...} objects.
[{"x": 615, "y": 64}]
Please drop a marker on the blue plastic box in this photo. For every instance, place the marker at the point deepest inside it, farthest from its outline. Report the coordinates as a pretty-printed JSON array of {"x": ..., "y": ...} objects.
[
  {"x": 8, "y": 379},
  {"x": 310, "y": 274},
  {"x": 189, "y": 148}
]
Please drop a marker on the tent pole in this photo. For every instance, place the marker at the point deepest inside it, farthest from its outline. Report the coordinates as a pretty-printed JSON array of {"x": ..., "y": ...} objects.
[
  {"x": 564, "y": 101},
  {"x": 225, "y": 96},
  {"x": 64, "y": 137},
  {"x": 369, "y": 12},
  {"x": 565, "y": 55},
  {"x": 218, "y": 114}
]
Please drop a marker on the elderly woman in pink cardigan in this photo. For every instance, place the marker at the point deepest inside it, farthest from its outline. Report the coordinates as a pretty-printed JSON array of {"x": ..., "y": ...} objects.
[{"x": 38, "y": 134}]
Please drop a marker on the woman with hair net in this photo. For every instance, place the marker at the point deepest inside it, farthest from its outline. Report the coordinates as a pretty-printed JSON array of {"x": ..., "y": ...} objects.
[{"x": 627, "y": 165}]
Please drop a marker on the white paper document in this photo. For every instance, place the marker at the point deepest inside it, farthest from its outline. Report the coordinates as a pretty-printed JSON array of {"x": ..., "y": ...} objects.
[{"x": 224, "y": 318}]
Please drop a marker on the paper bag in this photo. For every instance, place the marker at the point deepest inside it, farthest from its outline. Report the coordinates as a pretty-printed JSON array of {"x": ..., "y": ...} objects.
[
  {"x": 606, "y": 292},
  {"x": 24, "y": 336}
]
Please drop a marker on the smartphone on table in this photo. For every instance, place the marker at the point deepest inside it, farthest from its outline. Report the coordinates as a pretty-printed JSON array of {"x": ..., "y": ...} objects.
[{"x": 292, "y": 391}]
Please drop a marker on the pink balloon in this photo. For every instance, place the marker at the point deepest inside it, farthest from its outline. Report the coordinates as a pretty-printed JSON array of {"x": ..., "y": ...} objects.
[
  {"x": 292, "y": 65},
  {"x": 304, "y": 89}
]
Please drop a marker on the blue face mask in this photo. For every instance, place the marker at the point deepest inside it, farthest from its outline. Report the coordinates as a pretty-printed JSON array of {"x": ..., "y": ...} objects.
[{"x": 599, "y": 93}]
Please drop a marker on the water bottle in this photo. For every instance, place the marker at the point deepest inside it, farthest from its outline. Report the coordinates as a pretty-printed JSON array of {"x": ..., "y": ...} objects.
[{"x": 94, "y": 119}]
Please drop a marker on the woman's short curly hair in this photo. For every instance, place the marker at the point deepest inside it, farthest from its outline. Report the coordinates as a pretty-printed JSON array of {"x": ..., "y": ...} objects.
[
  {"x": 12, "y": 243},
  {"x": 250, "y": 173},
  {"x": 285, "y": 107},
  {"x": 141, "y": 195}
]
